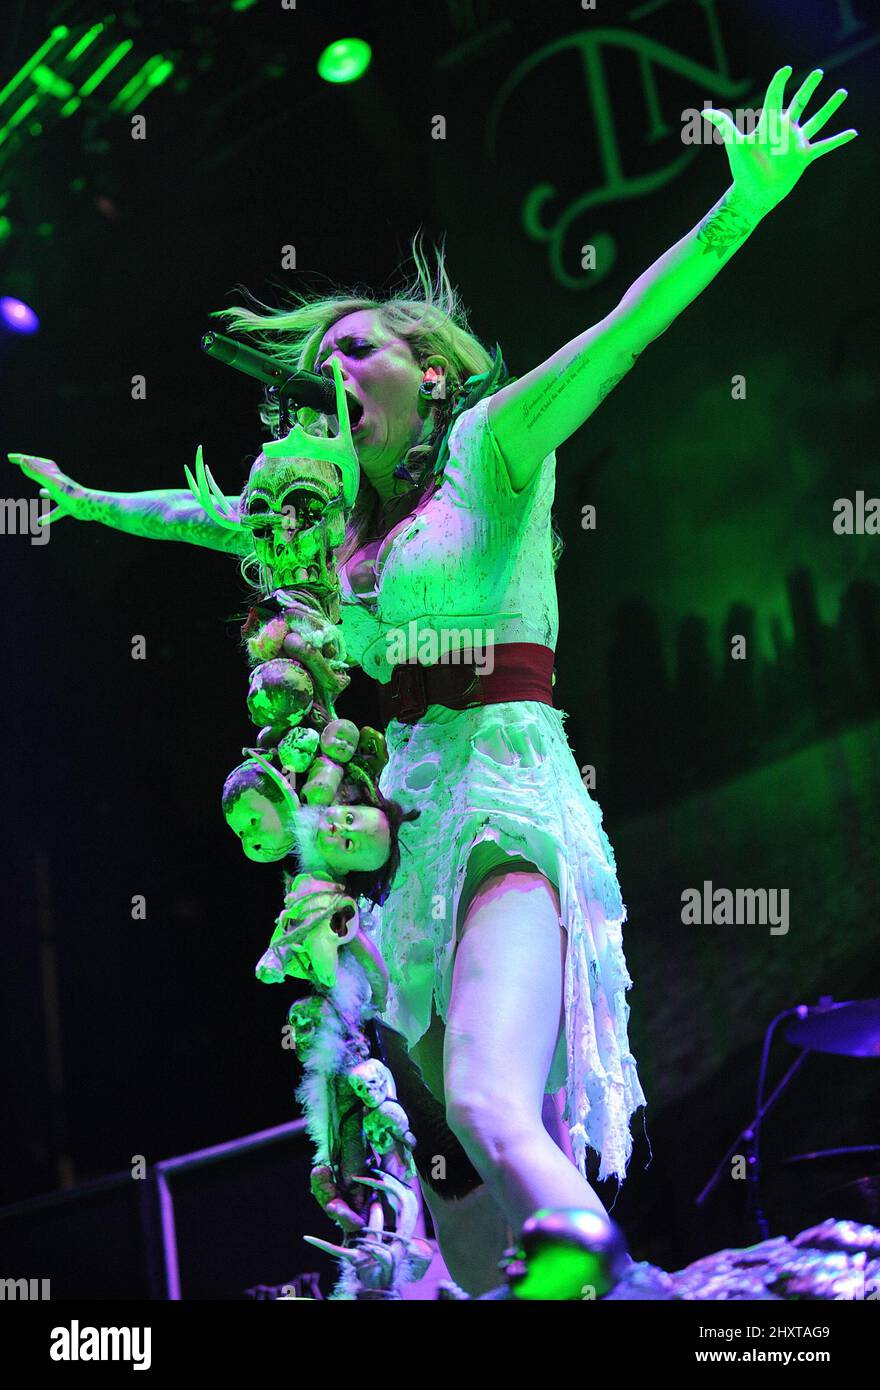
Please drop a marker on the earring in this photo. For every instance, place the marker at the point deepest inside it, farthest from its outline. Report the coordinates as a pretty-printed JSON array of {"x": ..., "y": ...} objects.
[{"x": 430, "y": 379}]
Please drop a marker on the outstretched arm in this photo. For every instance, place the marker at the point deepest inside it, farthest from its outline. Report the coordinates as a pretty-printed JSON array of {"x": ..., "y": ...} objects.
[
  {"x": 538, "y": 412},
  {"x": 168, "y": 514}
]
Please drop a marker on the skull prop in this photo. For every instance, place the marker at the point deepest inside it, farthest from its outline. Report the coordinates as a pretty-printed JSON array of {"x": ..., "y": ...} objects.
[
  {"x": 305, "y": 1018},
  {"x": 311, "y": 788},
  {"x": 372, "y": 1083},
  {"x": 317, "y": 919},
  {"x": 386, "y": 1126},
  {"x": 294, "y": 502}
]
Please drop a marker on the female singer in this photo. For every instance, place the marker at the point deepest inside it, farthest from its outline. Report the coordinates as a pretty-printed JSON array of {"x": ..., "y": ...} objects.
[{"x": 502, "y": 929}]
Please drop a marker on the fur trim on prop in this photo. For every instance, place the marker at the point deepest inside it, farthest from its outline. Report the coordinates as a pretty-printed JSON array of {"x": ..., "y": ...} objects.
[
  {"x": 305, "y": 829},
  {"x": 334, "y": 1049}
]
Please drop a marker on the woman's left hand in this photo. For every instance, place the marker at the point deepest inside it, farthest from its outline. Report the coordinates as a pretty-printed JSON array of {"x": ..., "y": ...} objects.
[{"x": 767, "y": 163}]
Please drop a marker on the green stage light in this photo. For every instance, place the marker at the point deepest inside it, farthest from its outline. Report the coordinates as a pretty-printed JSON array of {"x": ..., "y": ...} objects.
[
  {"x": 345, "y": 60},
  {"x": 18, "y": 116},
  {"x": 108, "y": 65},
  {"x": 154, "y": 72},
  {"x": 57, "y": 34},
  {"x": 87, "y": 39},
  {"x": 49, "y": 81}
]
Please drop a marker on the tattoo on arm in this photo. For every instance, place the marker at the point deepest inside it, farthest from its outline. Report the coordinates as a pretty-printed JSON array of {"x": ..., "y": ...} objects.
[
  {"x": 171, "y": 517},
  {"x": 722, "y": 230},
  {"x": 560, "y": 382},
  {"x": 612, "y": 381}
]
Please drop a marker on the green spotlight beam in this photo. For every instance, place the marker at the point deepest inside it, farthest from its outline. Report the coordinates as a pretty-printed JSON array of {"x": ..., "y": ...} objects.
[
  {"x": 109, "y": 63},
  {"x": 85, "y": 42},
  {"x": 18, "y": 116},
  {"x": 50, "y": 83},
  {"x": 57, "y": 34},
  {"x": 128, "y": 97}
]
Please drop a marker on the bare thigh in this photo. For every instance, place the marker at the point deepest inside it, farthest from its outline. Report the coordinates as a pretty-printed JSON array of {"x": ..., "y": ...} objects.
[
  {"x": 506, "y": 1010},
  {"x": 428, "y": 1052}
]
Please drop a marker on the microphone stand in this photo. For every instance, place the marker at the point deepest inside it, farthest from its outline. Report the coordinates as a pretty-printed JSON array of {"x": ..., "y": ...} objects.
[
  {"x": 282, "y": 386},
  {"x": 756, "y": 1223}
]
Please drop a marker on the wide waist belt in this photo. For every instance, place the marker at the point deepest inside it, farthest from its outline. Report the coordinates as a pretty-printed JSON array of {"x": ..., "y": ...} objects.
[{"x": 520, "y": 671}]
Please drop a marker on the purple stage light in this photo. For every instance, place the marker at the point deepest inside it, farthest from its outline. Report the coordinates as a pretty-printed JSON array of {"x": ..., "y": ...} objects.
[{"x": 17, "y": 315}]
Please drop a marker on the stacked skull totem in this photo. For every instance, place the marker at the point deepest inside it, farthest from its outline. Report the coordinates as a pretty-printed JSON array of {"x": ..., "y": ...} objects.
[{"x": 308, "y": 787}]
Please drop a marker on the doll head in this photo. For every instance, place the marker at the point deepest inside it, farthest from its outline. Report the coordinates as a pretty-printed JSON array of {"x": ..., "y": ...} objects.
[
  {"x": 365, "y": 850},
  {"x": 258, "y": 812},
  {"x": 339, "y": 740},
  {"x": 343, "y": 838}
]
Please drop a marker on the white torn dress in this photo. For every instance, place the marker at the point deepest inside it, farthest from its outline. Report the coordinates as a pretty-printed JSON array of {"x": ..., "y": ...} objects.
[{"x": 477, "y": 556}]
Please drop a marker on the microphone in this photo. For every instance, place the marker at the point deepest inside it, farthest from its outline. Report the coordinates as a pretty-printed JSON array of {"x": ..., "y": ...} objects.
[{"x": 302, "y": 388}]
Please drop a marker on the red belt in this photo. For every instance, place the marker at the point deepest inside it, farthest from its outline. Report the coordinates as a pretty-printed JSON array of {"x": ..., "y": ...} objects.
[{"x": 521, "y": 671}]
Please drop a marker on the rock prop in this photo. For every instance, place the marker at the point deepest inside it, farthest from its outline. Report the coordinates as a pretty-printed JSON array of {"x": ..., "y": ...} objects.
[{"x": 567, "y": 1255}]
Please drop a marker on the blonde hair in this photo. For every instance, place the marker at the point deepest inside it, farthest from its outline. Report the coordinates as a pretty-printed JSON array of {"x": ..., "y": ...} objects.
[{"x": 427, "y": 312}]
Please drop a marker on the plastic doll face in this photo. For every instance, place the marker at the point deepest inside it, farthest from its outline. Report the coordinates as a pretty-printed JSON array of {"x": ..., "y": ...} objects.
[
  {"x": 262, "y": 826},
  {"x": 353, "y": 838},
  {"x": 339, "y": 740}
]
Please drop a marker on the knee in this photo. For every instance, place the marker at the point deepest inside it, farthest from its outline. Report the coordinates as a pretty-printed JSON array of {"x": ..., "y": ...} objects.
[{"x": 491, "y": 1125}]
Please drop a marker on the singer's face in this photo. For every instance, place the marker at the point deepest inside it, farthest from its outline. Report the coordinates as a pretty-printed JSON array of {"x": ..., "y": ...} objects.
[{"x": 379, "y": 370}]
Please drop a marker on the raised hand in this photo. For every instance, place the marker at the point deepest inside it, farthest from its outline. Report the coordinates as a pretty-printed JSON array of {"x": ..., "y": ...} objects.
[
  {"x": 767, "y": 163},
  {"x": 68, "y": 496}
]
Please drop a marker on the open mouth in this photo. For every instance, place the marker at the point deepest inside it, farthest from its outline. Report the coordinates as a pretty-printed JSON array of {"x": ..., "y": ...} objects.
[{"x": 355, "y": 412}]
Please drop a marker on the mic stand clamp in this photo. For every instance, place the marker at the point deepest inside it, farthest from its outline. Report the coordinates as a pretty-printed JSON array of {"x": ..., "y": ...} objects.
[{"x": 278, "y": 398}]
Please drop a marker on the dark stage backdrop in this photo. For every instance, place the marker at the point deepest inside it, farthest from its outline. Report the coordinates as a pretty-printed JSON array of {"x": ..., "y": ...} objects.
[{"x": 562, "y": 129}]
